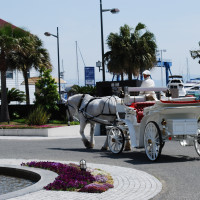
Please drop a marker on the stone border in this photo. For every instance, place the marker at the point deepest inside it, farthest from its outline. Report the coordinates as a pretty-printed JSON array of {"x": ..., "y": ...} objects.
[
  {"x": 43, "y": 178},
  {"x": 66, "y": 131}
]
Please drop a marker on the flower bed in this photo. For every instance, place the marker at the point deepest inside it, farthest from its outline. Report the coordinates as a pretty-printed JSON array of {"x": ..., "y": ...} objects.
[
  {"x": 27, "y": 126},
  {"x": 71, "y": 178}
]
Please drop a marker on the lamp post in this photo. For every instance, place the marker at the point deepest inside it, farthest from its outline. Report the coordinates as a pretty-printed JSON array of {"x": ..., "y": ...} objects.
[
  {"x": 113, "y": 11},
  {"x": 57, "y": 36},
  {"x": 161, "y": 63},
  {"x": 83, "y": 165}
]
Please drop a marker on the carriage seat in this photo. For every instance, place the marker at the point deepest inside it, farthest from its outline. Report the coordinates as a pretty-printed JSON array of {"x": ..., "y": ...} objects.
[{"x": 139, "y": 107}]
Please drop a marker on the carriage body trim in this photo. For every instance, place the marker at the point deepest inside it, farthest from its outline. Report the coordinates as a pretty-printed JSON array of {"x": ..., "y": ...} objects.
[{"x": 182, "y": 126}]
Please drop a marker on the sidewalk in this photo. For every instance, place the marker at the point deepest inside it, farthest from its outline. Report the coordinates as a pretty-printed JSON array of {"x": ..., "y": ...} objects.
[{"x": 129, "y": 184}]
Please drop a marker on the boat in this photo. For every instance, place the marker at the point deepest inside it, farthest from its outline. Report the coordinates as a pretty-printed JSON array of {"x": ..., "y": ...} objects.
[
  {"x": 194, "y": 90},
  {"x": 176, "y": 82}
]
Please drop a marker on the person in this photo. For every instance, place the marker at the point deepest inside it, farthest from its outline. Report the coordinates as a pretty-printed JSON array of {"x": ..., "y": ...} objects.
[{"x": 148, "y": 82}]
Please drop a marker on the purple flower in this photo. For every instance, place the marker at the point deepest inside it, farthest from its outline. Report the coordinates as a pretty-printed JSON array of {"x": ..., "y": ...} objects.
[
  {"x": 71, "y": 178},
  {"x": 101, "y": 178}
]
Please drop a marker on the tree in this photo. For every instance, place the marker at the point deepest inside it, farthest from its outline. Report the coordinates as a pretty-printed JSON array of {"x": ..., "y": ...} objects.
[
  {"x": 131, "y": 53},
  {"x": 88, "y": 89},
  {"x": 47, "y": 94},
  {"x": 30, "y": 53},
  {"x": 118, "y": 58},
  {"x": 15, "y": 95},
  {"x": 8, "y": 41},
  {"x": 143, "y": 49}
]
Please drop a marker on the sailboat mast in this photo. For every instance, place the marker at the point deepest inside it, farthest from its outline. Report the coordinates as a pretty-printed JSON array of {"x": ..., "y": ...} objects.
[
  {"x": 77, "y": 62},
  {"x": 188, "y": 72}
]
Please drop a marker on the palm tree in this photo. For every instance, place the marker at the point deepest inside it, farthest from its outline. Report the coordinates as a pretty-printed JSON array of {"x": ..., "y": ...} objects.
[
  {"x": 88, "y": 89},
  {"x": 195, "y": 54},
  {"x": 30, "y": 53},
  {"x": 119, "y": 56},
  {"x": 8, "y": 41},
  {"x": 143, "y": 50},
  {"x": 15, "y": 95},
  {"x": 129, "y": 52}
]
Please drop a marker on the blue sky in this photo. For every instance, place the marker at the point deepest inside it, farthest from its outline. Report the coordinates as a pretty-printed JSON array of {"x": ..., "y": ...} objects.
[{"x": 174, "y": 23}]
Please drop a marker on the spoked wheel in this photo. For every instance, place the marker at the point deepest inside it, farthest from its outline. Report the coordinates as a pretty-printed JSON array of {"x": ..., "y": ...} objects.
[
  {"x": 197, "y": 144},
  {"x": 153, "y": 141},
  {"x": 116, "y": 140}
]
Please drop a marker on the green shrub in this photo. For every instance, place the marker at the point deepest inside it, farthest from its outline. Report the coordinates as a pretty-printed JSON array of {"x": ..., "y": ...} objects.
[
  {"x": 74, "y": 123},
  {"x": 88, "y": 89},
  {"x": 19, "y": 120},
  {"x": 57, "y": 122},
  {"x": 38, "y": 116}
]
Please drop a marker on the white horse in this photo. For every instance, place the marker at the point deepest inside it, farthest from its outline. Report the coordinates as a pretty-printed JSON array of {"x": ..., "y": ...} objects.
[{"x": 91, "y": 110}]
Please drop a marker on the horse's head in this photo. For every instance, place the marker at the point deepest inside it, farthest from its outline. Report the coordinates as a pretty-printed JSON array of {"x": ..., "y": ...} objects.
[{"x": 72, "y": 106}]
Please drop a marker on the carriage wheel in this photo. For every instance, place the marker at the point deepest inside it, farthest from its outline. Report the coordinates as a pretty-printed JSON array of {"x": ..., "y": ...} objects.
[
  {"x": 153, "y": 141},
  {"x": 197, "y": 144},
  {"x": 116, "y": 140}
]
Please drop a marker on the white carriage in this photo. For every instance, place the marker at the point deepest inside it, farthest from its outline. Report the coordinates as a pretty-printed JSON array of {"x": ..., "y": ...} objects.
[{"x": 149, "y": 124}]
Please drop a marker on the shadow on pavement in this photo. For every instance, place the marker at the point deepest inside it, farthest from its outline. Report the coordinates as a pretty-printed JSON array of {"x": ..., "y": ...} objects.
[{"x": 137, "y": 157}]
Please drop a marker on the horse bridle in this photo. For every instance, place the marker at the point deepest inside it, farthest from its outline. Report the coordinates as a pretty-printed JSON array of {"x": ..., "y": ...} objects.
[
  {"x": 67, "y": 105},
  {"x": 79, "y": 105}
]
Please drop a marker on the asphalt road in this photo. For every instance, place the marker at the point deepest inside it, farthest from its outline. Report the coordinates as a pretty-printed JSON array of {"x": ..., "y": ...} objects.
[{"x": 178, "y": 167}]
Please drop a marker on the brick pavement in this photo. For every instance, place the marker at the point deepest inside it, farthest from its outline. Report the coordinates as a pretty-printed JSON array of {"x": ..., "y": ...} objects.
[{"x": 129, "y": 184}]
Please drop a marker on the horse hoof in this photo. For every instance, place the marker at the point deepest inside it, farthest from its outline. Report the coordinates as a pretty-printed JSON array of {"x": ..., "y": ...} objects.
[
  {"x": 127, "y": 149},
  {"x": 104, "y": 148},
  {"x": 86, "y": 143},
  {"x": 89, "y": 147}
]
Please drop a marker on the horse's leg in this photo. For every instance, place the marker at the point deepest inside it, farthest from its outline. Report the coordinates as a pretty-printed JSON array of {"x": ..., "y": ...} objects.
[
  {"x": 105, "y": 146},
  {"x": 92, "y": 142},
  {"x": 84, "y": 139},
  {"x": 127, "y": 142}
]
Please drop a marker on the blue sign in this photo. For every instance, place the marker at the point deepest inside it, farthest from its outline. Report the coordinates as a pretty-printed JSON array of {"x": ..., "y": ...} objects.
[{"x": 89, "y": 76}]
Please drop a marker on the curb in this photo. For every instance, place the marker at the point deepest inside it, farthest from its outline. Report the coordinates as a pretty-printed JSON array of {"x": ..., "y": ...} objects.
[
  {"x": 67, "y": 131},
  {"x": 45, "y": 177}
]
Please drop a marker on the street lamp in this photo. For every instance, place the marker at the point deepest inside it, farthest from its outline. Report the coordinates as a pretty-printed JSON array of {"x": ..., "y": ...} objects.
[
  {"x": 57, "y": 36},
  {"x": 113, "y": 11},
  {"x": 161, "y": 63},
  {"x": 83, "y": 165}
]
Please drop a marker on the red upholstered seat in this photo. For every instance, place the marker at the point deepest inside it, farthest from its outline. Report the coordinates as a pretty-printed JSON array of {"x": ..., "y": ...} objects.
[{"x": 139, "y": 107}]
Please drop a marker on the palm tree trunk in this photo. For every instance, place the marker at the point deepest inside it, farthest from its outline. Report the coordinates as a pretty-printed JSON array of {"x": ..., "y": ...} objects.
[
  {"x": 26, "y": 87},
  {"x": 4, "y": 103},
  {"x": 129, "y": 74},
  {"x": 122, "y": 76}
]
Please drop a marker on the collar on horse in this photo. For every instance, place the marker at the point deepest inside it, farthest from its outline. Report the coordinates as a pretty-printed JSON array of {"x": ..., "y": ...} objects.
[{"x": 80, "y": 102}]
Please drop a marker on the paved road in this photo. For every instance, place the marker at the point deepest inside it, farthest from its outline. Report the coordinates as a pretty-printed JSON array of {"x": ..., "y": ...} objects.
[{"x": 177, "y": 169}]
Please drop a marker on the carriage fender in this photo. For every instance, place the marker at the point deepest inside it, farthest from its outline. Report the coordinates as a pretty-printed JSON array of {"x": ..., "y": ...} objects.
[
  {"x": 132, "y": 132},
  {"x": 153, "y": 117}
]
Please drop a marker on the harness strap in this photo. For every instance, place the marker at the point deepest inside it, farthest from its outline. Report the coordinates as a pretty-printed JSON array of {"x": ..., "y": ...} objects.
[
  {"x": 92, "y": 118},
  {"x": 85, "y": 108},
  {"x": 81, "y": 100}
]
